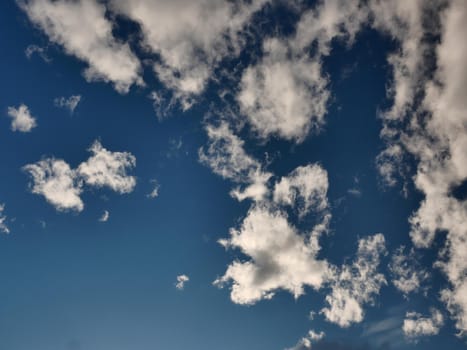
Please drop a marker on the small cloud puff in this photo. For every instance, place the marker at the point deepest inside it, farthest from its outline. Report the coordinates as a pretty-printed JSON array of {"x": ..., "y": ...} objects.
[
  {"x": 105, "y": 216},
  {"x": 69, "y": 103},
  {"x": 181, "y": 280},
  {"x": 21, "y": 119}
]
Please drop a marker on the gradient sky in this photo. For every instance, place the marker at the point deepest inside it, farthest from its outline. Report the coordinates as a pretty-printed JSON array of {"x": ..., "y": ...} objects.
[{"x": 233, "y": 175}]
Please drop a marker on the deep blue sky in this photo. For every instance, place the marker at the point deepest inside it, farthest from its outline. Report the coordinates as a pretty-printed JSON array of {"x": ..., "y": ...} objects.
[{"x": 71, "y": 282}]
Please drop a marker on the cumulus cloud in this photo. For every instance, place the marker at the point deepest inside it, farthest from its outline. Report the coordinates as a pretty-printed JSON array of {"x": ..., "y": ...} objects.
[
  {"x": 69, "y": 103},
  {"x": 354, "y": 285},
  {"x": 41, "y": 51},
  {"x": 407, "y": 274},
  {"x": 181, "y": 281},
  {"x": 415, "y": 325},
  {"x": 279, "y": 258},
  {"x": 57, "y": 182},
  {"x": 21, "y": 118},
  {"x": 305, "y": 188},
  {"x": 307, "y": 341},
  {"x": 108, "y": 169},
  {"x": 3, "y": 226},
  {"x": 82, "y": 29},
  {"x": 105, "y": 216},
  {"x": 191, "y": 37},
  {"x": 226, "y": 156},
  {"x": 285, "y": 93},
  {"x": 62, "y": 186}
]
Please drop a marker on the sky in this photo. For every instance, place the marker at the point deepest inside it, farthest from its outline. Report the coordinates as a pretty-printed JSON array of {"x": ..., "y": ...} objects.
[{"x": 213, "y": 174}]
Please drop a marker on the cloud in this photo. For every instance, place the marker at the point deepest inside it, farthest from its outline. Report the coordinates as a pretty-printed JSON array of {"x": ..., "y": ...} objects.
[
  {"x": 21, "y": 119},
  {"x": 354, "y": 285},
  {"x": 82, "y": 29},
  {"x": 108, "y": 169},
  {"x": 428, "y": 123},
  {"x": 41, "y": 51},
  {"x": 69, "y": 103},
  {"x": 190, "y": 37},
  {"x": 155, "y": 190},
  {"x": 57, "y": 182},
  {"x": 407, "y": 274},
  {"x": 285, "y": 94},
  {"x": 307, "y": 341},
  {"x": 62, "y": 186},
  {"x": 105, "y": 216},
  {"x": 415, "y": 325},
  {"x": 226, "y": 156},
  {"x": 279, "y": 258},
  {"x": 305, "y": 189},
  {"x": 3, "y": 226},
  {"x": 181, "y": 281}
]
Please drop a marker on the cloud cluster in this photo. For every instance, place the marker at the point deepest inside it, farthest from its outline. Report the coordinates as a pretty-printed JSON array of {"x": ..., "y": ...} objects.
[
  {"x": 21, "y": 118},
  {"x": 428, "y": 121},
  {"x": 62, "y": 186},
  {"x": 415, "y": 325},
  {"x": 357, "y": 284}
]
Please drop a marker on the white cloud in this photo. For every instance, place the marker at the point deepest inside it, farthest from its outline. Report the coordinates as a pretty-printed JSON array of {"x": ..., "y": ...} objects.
[
  {"x": 181, "y": 281},
  {"x": 415, "y": 325},
  {"x": 428, "y": 120},
  {"x": 108, "y": 169},
  {"x": 62, "y": 186},
  {"x": 155, "y": 190},
  {"x": 83, "y": 30},
  {"x": 105, "y": 216},
  {"x": 69, "y": 103},
  {"x": 21, "y": 119},
  {"x": 285, "y": 93},
  {"x": 406, "y": 271},
  {"x": 354, "y": 285},
  {"x": 307, "y": 341},
  {"x": 279, "y": 258},
  {"x": 191, "y": 37},
  {"x": 57, "y": 182},
  {"x": 305, "y": 189},
  {"x": 3, "y": 226},
  {"x": 226, "y": 156}
]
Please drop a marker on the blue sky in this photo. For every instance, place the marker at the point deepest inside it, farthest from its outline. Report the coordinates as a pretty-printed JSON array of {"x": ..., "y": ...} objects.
[{"x": 233, "y": 175}]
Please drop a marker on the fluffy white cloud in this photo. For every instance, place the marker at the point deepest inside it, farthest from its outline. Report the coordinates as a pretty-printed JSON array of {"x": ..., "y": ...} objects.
[
  {"x": 57, "y": 182},
  {"x": 69, "y": 103},
  {"x": 105, "y": 216},
  {"x": 191, "y": 37},
  {"x": 285, "y": 93},
  {"x": 307, "y": 341},
  {"x": 406, "y": 271},
  {"x": 108, "y": 169},
  {"x": 354, "y": 285},
  {"x": 181, "y": 281},
  {"x": 279, "y": 258},
  {"x": 62, "y": 186},
  {"x": 415, "y": 325},
  {"x": 83, "y": 30},
  {"x": 226, "y": 156},
  {"x": 3, "y": 226},
  {"x": 305, "y": 189},
  {"x": 21, "y": 119}
]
